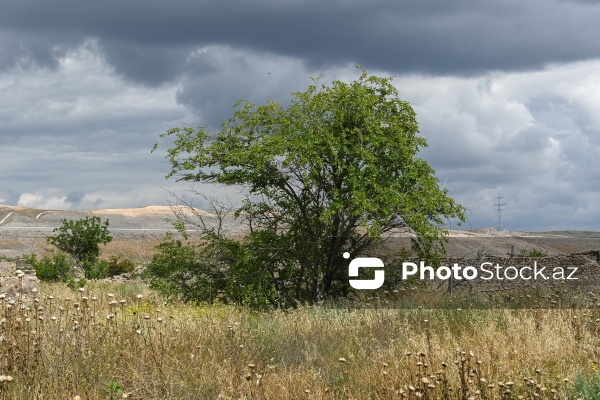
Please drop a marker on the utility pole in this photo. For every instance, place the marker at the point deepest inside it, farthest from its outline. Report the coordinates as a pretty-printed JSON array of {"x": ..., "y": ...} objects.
[{"x": 499, "y": 210}]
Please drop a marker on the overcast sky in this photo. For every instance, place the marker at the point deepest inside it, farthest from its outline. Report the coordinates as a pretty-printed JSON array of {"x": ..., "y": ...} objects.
[{"x": 507, "y": 93}]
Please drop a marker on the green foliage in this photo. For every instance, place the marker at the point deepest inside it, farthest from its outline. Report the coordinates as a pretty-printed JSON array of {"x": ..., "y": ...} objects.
[
  {"x": 173, "y": 269},
  {"x": 587, "y": 387},
  {"x": 58, "y": 266},
  {"x": 81, "y": 239},
  {"x": 113, "y": 390},
  {"x": 4, "y": 257},
  {"x": 53, "y": 268},
  {"x": 75, "y": 284},
  {"x": 117, "y": 266},
  {"x": 101, "y": 268},
  {"x": 335, "y": 171},
  {"x": 215, "y": 269},
  {"x": 534, "y": 253}
]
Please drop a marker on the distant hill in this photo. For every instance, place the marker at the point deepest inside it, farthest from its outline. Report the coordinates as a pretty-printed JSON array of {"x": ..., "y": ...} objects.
[{"x": 136, "y": 231}]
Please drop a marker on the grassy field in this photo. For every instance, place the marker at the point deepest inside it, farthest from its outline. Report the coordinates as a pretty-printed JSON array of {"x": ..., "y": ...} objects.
[{"x": 113, "y": 341}]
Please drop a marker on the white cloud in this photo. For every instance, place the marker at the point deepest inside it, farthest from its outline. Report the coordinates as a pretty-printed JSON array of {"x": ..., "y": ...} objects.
[
  {"x": 37, "y": 201},
  {"x": 534, "y": 136}
]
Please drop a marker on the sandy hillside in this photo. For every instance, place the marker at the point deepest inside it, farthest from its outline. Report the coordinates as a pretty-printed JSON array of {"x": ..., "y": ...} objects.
[{"x": 136, "y": 231}]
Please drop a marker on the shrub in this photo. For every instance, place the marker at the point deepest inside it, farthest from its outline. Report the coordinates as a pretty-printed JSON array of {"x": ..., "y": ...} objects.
[
  {"x": 117, "y": 266},
  {"x": 587, "y": 387},
  {"x": 534, "y": 253},
  {"x": 177, "y": 270},
  {"x": 95, "y": 269},
  {"x": 102, "y": 268},
  {"x": 55, "y": 267},
  {"x": 217, "y": 268}
]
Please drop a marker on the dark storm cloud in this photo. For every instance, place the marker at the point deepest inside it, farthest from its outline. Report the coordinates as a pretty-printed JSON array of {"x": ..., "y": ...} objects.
[
  {"x": 74, "y": 197},
  {"x": 219, "y": 76},
  {"x": 149, "y": 40}
]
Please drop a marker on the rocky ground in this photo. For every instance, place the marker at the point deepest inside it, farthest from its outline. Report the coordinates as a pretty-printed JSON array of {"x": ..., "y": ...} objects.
[{"x": 136, "y": 231}]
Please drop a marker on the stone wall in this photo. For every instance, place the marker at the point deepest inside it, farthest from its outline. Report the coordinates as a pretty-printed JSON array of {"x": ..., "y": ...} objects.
[{"x": 577, "y": 269}]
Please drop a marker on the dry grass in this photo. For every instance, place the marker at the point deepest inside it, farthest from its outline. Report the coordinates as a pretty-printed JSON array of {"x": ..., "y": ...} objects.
[{"x": 108, "y": 342}]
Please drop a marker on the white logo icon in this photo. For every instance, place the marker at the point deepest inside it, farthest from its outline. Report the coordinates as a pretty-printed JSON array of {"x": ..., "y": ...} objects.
[{"x": 365, "y": 262}]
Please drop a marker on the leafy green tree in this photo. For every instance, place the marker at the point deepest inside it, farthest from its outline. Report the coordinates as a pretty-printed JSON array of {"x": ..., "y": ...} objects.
[
  {"x": 81, "y": 239},
  {"x": 335, "y": 171}
]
